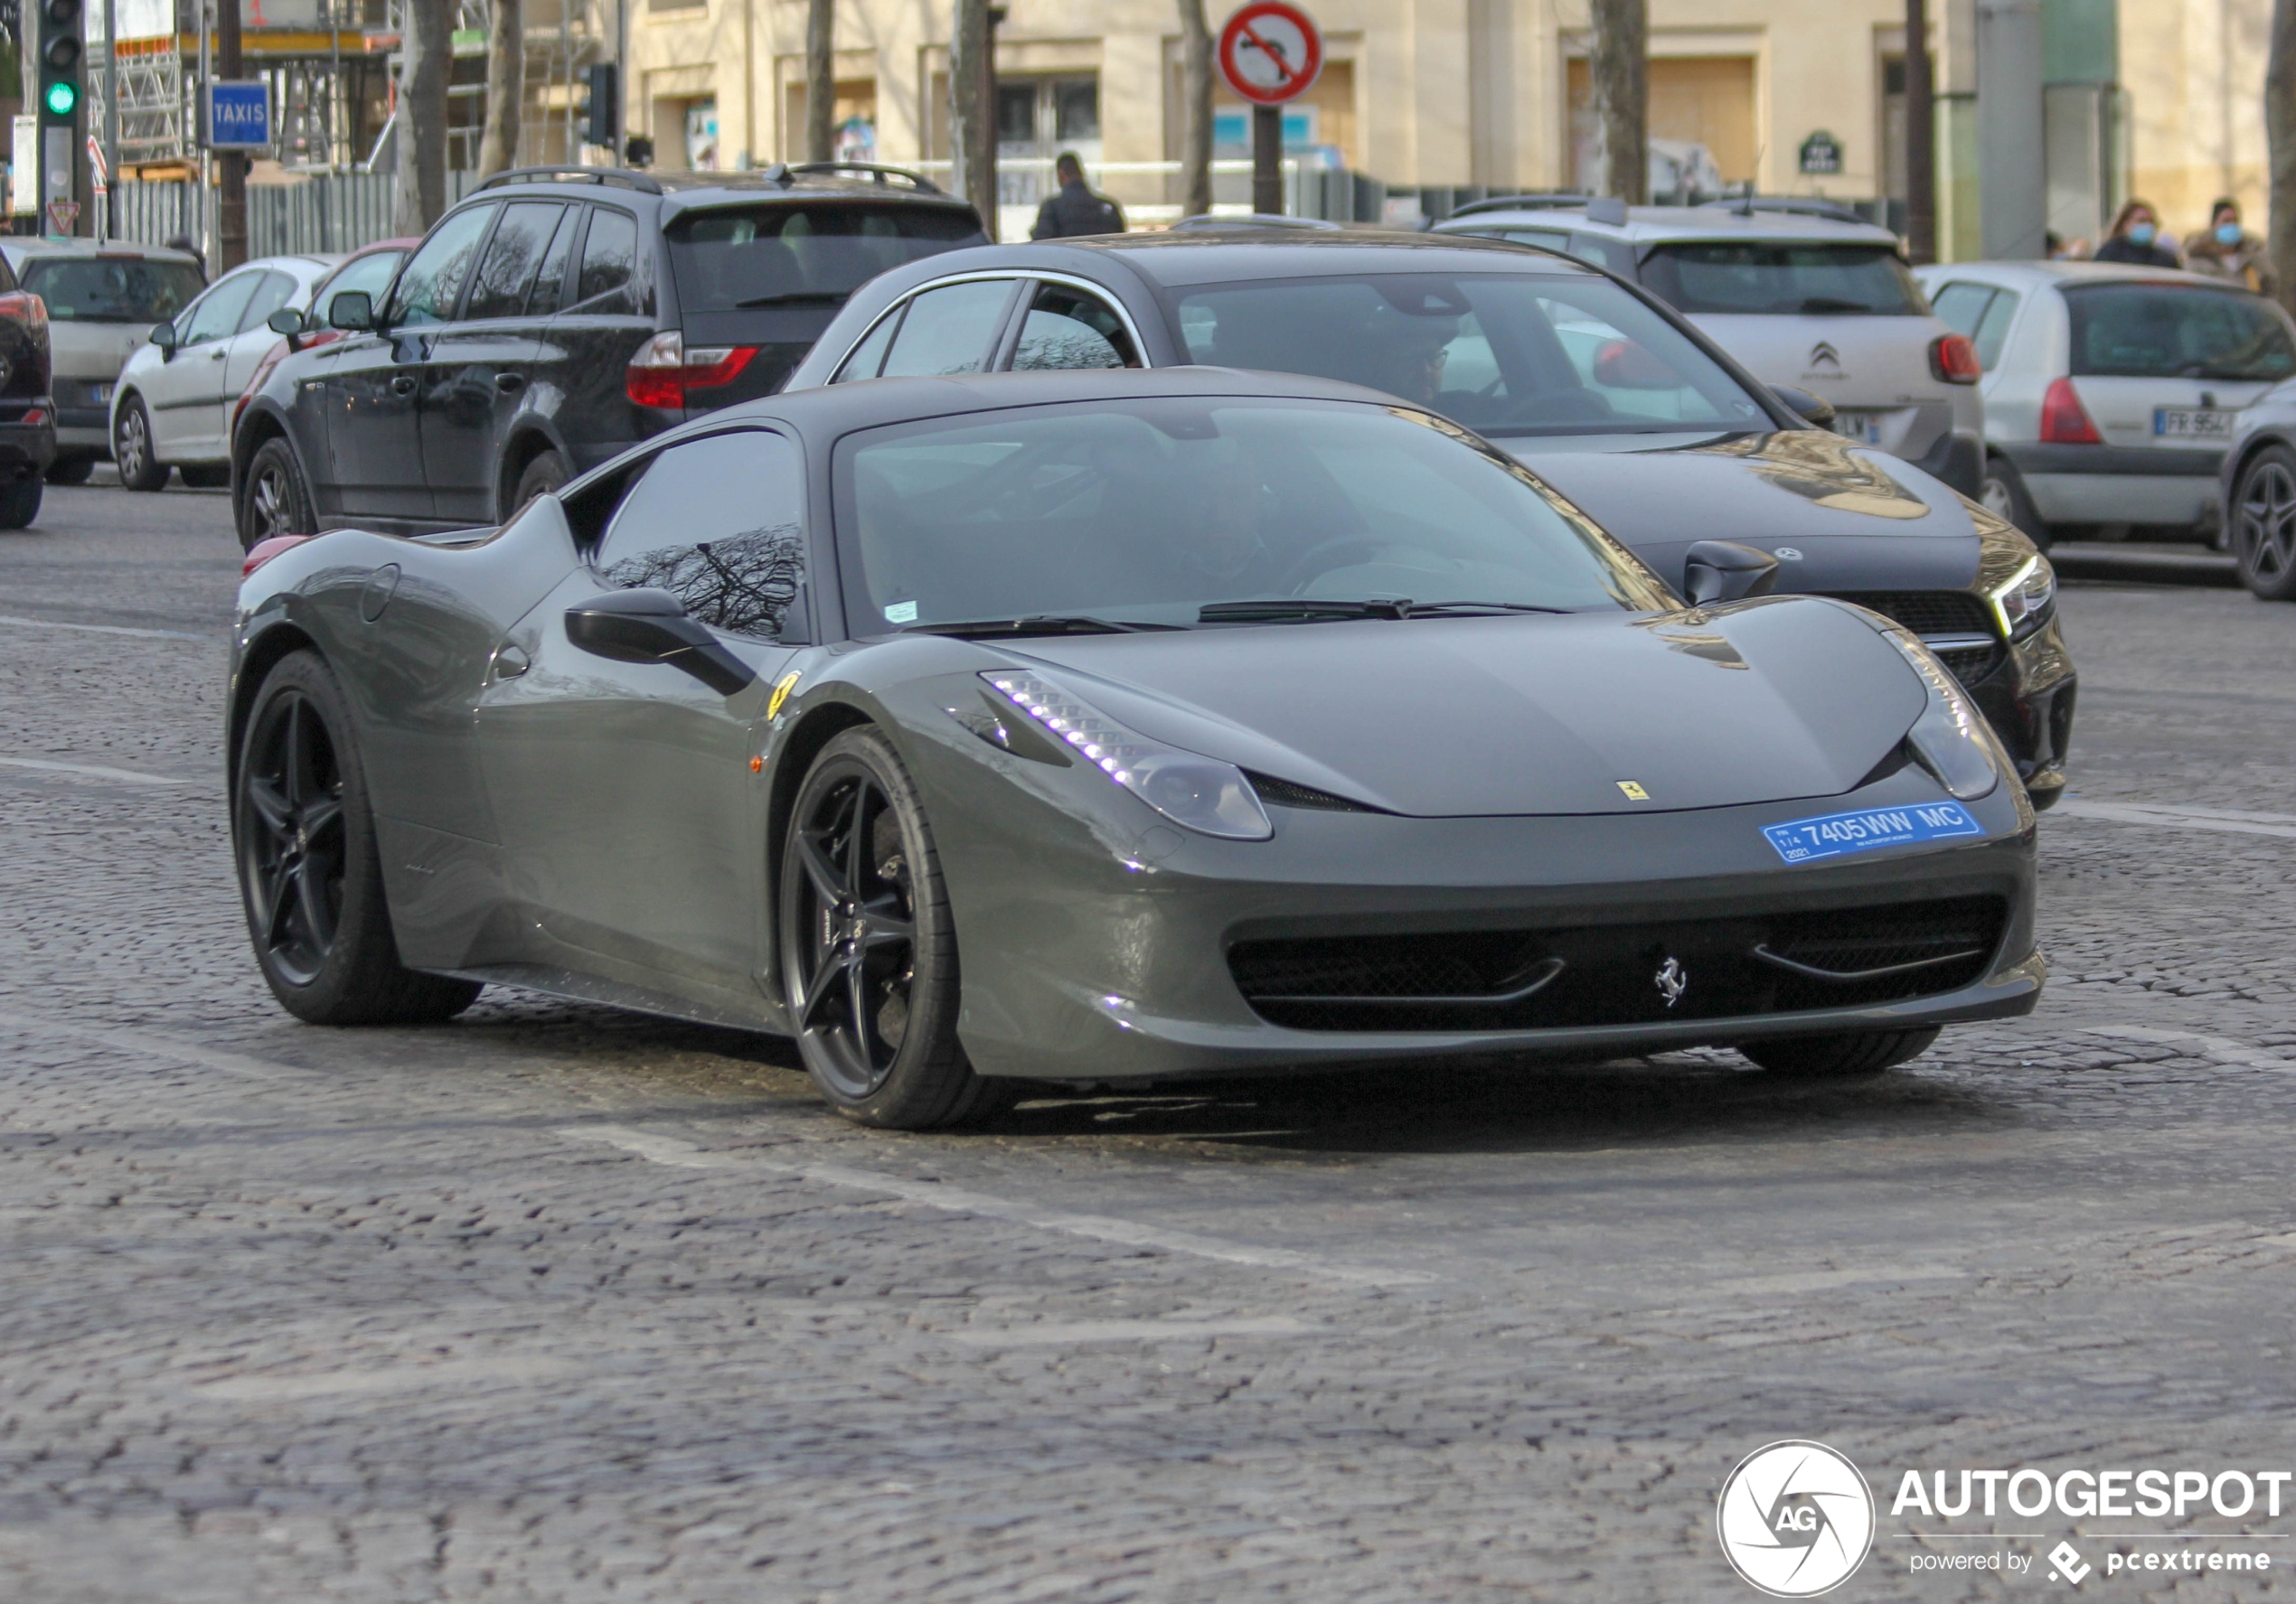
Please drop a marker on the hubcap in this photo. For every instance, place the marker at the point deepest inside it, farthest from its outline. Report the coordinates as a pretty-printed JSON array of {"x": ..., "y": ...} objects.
[
  {"x": 855, "y": 962},
  {"x": 1995, "y": 497},
  {"x": 2265, "y": 531},
  {"x": 270, "y": 502},
  {"x": 291, "y": 847},
  {"x": 131, "y": 442}
]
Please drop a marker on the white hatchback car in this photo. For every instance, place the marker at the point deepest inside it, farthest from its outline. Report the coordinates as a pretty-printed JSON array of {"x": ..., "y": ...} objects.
[
  {"x": 173, "y": 403},
  {"x": 102, "y": 301},
  {"x": 2110, "y": 391},
  {"x": 1808, "y": 298}
]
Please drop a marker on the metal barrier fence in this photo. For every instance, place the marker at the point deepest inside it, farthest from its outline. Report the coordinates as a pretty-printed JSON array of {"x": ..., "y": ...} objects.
[{"x": 329, "y": 213}]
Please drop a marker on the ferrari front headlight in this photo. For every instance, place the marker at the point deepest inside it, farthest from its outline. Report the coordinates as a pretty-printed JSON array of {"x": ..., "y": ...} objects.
[
  {"x": 1203, "y": 793},
  {"x": 1950, "y": 739}
]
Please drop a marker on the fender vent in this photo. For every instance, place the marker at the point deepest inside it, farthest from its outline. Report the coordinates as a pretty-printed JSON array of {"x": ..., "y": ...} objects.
[{"x": 1283, "y": 794}]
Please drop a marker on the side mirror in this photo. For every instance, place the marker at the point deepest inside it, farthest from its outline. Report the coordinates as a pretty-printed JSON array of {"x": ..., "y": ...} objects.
[
  {"x": 1725, "y": 571},
  {"x": 651, "y": 626},
  {"x": 1813, "y": 408},
  {"x": 287, "y": 319},
  {"x": 351, "y": 311},
  {"x": 164, "y": 336}
]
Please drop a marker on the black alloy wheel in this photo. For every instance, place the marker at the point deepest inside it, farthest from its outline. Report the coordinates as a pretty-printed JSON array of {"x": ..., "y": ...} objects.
[
  {"x": 276, "y": 502},
  {"x": 1863, "y": 1052},
  {"x": 131, "y": 447},
  {"x": 309, "y": 875},
  {"x": 868, "y": 950},
  {"x": 2264, "y": 527}
]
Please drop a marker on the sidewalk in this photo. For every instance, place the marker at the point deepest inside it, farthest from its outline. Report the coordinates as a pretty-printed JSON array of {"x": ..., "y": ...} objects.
[{"x": 2145, "y": 562}]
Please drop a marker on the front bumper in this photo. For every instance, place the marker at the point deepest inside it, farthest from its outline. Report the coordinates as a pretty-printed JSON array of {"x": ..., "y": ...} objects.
[{"x": 1091, "y": 955}]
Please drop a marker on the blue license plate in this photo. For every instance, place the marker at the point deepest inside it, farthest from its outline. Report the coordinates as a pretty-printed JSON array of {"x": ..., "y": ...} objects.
[{"x": 1804, "y": 841}]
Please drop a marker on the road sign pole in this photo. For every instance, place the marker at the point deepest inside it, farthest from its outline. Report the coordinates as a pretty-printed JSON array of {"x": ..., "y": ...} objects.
[{"x": 1268, "y": 160}]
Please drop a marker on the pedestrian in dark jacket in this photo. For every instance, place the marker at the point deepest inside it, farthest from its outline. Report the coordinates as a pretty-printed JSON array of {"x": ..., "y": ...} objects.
[
  {"x": 2225, "y": 250},
  {"x": 1075, "y": 210},
  {"x": 2136, "y": 239}
]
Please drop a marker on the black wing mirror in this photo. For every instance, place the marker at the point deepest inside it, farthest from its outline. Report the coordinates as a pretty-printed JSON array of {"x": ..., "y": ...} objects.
[
  {"x": 287, "y": 319},
  {"x": 1725, "y": 571},
  {"x": 164, "y": 336},
  {"x": 351, "y": 311},
  {"x": 1811, "y": 408},
  {"x": 651, "y": 626}
]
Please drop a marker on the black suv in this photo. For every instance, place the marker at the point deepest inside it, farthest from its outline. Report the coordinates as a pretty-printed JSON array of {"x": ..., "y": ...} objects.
[{"x": 553, "y": 318}]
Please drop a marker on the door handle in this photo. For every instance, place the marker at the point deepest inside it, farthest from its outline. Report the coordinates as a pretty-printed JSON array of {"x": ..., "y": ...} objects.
[
  {"x": 402, "y": 384},
  {"x": 510, "y": 384},
  {"x": 215, "y": 356}
]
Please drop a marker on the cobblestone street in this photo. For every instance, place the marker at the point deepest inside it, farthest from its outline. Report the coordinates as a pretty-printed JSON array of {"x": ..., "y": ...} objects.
[{"x": 554, "y": 1303}]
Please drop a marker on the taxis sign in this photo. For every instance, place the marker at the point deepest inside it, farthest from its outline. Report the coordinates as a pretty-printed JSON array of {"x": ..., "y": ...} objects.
[{"x": 239, "y": 115}]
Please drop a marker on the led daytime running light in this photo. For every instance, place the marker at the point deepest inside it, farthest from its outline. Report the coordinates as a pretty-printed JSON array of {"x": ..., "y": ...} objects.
[{"x": 2020, "y": 601}]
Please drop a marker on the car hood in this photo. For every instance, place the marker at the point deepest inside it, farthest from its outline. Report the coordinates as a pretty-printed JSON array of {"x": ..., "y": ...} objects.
[
  {"x": 1437, "y": 717},
  {"x": 1810, "y": 496}
]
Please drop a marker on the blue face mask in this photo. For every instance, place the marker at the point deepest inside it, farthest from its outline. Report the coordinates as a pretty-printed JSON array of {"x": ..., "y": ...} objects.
[
  {"x": 2142, "y": 233},
  {"x": 2227, "y": 233}
]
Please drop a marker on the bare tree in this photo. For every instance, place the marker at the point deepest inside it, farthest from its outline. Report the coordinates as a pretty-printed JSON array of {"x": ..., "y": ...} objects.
[
  {"x": 1195, "y": 110},
  {"x": 821, "y": 79},
  {"x": 971, "y": 109},
  {"x": 505, "y": 88},
  {"x": 2279, "y": 135},
  {"x": 420, "y": 194},
  {"x": 1618, "y": 66}
]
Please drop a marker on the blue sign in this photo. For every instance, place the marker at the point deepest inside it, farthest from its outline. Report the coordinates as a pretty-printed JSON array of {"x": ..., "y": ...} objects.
[
  {"x": 238, "y": 115},
  {"x": 1805, "y": 840}
]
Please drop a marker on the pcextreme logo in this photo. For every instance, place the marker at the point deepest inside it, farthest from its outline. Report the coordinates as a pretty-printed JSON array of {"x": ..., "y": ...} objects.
[{"x": 1796, "y": 1519}]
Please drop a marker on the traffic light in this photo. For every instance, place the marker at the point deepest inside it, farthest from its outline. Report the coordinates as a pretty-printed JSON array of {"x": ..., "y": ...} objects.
[
  {"x": 602, "y": 115},
  {"x": 60, "y": 64}
]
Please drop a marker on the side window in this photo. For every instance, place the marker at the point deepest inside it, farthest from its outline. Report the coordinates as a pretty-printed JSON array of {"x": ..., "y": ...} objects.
[
  {"x": 269, "y": 295},
  {"x": 719, "y": 522},
  {"x": 433, "y": 280},
  {"x": 217, "y": 313},
  {"x": 513, "y": 258},
  {"x": 551, "y": 280},
  {"x": 948, "y": 330},
  {"x": 609, "y": 260},
  {"x": 868, "y": 357},
  {"x": 1992, "y": 330},
  {"x": 1615, "y": 254},
  {"x": 369, "y": 273},
  {"x": 1069, "y": 328},
  {"x": 1960, "y": 307}
]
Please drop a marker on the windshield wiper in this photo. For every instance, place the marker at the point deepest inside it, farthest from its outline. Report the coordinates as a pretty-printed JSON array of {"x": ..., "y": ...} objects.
[
  {"x": 1309, "y": 609},
  {"x": 799, "y": 297},
  {"x": 1042, "y": 623}
]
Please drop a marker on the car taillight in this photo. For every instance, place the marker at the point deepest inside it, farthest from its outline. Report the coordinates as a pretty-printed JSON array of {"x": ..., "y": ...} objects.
[
  {"x": 1952, "y": 360},
  {"x": 263, "y": 551},
  {"x": 663, "y": 370},
  {"x": 25, "y": 305},
  {"x": 2063, "y": 420},
  {"x": 34, "y": 415}
]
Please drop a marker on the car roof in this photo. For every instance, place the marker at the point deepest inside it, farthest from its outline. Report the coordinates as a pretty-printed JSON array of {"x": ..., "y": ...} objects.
[
  {"x": 682, "y": 190},
  {"x": 1175, "y": 259},
  {"x": 29, "y": 246},
  {"x": 1653, "y": 224},
  {"x": 2066, "y": 274}
]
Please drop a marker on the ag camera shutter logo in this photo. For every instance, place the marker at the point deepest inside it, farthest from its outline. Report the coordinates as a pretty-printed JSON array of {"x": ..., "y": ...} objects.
[{"x": 1796, "y": 1519}]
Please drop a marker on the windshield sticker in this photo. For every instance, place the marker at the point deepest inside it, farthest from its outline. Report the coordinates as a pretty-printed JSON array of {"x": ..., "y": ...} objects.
[
  {"x": 1805, "y": 840},
  {"x": 901, "y": 613}
]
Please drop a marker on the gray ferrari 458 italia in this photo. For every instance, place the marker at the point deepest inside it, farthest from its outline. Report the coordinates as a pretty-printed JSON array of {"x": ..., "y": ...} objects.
[{"x": 1082, "y": 727}]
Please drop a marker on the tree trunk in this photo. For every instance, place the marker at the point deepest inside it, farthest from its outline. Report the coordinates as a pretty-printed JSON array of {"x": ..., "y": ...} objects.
[
  {"x": 821, "y": 81},
  {"x": 505, "y": 88},
  {"x": 972, "y": 110},
  {"x": 1195, "y": 110},
  {"x": 420, "y": 192},
  {"x": 2280, "y": 134},
  {"x": 1618, "y": 66},
  {"x": 1921, "y": 138}
]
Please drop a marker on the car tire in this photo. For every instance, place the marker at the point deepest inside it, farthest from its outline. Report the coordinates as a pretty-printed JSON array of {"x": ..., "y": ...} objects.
[
  {"x": 310, "y": 876},
  {"x": 868, "y": 946},
  {"x": 206, "y": 475},
  {"x": 71, "y": 469},
  {"x": 131, "y": 447},
  {"x": 2263, "y": 524},
  {"x": 2003, "y": 494},
  {"x": 543, "y": 476},
  {"x": 19, "y": 502},
  {"x": 276, "y": 502},
  {"x": 1863, "y": 1052}
]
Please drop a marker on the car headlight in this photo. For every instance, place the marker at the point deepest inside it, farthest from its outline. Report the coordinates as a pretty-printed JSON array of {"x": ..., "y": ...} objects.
[
  {"x": 2021, "y": 599},
  {"x": 1203, "y": 793},
  {"x": 1950, "y": 739}
]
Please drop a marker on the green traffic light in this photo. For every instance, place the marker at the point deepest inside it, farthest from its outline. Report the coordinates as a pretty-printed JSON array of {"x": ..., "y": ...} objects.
[{"x": 62, "y": 98}]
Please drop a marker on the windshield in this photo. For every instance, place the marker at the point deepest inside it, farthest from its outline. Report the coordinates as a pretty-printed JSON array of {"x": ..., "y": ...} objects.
[
  {"x": 1514, "y": 354},
  {"x": 1147, "y": 512},
  {"x": 1853, "y": 279},
  {"x": 795, "y": 255},
  {"x": 111, "y": 289},
  {"x": 2171, "y": 331}
]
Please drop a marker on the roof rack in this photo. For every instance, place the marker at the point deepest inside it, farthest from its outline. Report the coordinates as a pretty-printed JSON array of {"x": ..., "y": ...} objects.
[
  {"x": 1216, "y": 222},
  {"x": 916, "y": 181},
  {"x": 620, "y": 177},
  {"x": 1546, "y": 202},
  {"x": 1791, "y": 206}
]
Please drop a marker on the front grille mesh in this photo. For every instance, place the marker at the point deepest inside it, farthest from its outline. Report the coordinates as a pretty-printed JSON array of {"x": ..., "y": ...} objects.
[
  {"x": 1969, "y": 664},
  {"x": 1529, "y": 979},
  {"x": 1928, "y": 611}
]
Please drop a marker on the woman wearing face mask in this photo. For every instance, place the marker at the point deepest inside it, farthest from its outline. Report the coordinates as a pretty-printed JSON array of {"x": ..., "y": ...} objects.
[
  {"x": 2225, "y": 250},
  {"x": 2136, "y": 239}
]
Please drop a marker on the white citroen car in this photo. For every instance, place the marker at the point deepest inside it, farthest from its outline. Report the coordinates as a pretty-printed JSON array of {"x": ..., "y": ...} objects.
[
  {"x": 2110, "y": 391},
  {"x": 175, "y": 398},
  {"x": 1804, "y": 294}
]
